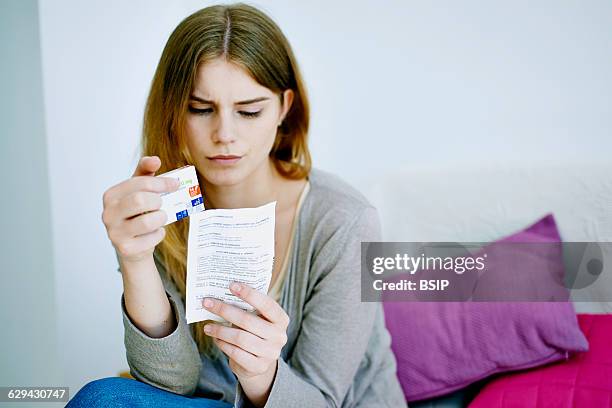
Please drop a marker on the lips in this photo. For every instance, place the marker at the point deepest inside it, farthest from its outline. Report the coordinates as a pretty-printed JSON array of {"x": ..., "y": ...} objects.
[{"x": 224, "y": 157}]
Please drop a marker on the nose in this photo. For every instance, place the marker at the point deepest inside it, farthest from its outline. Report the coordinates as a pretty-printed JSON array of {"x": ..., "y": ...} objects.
[{"x": 224, "y": 130}]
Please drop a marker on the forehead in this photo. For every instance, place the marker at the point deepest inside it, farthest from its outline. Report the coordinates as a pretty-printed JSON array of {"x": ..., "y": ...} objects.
[{"x": 222, "y": 80}]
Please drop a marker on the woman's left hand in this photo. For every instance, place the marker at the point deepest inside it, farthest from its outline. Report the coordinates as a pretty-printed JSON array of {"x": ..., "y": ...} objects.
[{"x": 254, "y": 345}]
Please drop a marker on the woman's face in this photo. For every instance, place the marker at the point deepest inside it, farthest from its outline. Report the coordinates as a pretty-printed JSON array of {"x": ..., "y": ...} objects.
[{"x": 231, "y": 123}]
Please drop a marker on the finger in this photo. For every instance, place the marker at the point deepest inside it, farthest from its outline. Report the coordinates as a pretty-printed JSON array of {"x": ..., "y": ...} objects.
[
  {"x": 138, "y": 202},
  {"x": 141, "y": 243},
  {"x": 143, "y": 183},
  {"x": 241, "y": 338},
  {"x": 264, "y": 304},
  {"x": 147, "y": 166},
  {"x": 241, "y": 318},
  {"x": 245, "y": 359},
  {"x": 145, "y": 223}
]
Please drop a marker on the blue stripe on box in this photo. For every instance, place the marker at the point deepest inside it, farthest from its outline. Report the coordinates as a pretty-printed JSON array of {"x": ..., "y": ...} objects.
[
  {"x": 196, "y": 201},
  {"x": 181, "y": 214}
]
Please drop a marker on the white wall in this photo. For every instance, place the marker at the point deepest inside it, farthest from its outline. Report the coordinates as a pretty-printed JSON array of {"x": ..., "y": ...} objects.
[
  {"x": 391, "y": 84},
  {"x": 28, "y": 336}
]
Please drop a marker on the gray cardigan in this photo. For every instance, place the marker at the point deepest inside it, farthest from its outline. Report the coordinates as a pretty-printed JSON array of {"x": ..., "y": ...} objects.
[{"x": 338, "y": 349}]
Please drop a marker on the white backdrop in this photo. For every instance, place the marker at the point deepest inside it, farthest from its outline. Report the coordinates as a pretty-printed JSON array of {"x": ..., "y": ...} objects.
[{"x": 392, "y": 85}]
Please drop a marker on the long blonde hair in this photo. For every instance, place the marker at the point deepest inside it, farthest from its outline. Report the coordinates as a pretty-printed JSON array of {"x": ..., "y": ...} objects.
[{"x": 249, "y": 38}]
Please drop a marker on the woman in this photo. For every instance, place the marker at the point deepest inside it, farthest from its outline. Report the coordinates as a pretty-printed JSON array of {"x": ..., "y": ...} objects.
[{"x": 228, "y": 98}]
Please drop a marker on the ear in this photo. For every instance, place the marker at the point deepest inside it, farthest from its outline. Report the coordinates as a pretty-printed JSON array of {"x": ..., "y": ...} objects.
[{"x": 287, "y": 102}]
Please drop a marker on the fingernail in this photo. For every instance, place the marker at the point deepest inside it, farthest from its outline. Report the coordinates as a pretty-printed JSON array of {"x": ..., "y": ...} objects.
[
  {"x": 207, "y": 329},
  {"x": 173, "y": 183},
  {"x": 235, "y": 287},
  {"x": 208, "y": 303}
]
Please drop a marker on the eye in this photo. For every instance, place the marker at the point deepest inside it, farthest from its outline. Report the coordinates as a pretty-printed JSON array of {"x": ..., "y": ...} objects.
[
  {"x": 250, "y": 114},
  {"x": 197, "y": 111},
  {"x": 207, "y": 111}
]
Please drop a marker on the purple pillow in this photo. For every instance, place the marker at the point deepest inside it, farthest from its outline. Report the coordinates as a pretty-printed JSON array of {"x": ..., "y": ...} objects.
[{"x": 441, "y": 347}]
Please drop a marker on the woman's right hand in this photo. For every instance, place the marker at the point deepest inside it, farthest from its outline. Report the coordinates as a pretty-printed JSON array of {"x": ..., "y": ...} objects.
[{"x": 132, "y": 216}]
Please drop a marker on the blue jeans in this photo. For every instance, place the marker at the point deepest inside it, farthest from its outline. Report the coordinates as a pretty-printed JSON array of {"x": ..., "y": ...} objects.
[{"x": 124, "y": 392}]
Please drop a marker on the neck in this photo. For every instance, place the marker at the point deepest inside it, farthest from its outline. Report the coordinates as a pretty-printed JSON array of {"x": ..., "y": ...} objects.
[{"x": 259, "y": 188}]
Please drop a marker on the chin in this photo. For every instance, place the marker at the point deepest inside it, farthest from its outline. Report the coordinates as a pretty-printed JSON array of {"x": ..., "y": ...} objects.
[{"x": 225, "y": 177}]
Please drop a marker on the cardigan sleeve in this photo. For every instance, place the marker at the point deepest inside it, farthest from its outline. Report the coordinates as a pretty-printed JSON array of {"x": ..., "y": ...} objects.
[
  {"x": 335, "y": 327},
  {"x": 171, "y": 363}
]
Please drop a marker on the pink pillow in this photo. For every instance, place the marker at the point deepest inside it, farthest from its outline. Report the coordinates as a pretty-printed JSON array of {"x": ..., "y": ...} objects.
[
  {"x": 585, "y": 380},
  {"x": 441, "y": 347}
]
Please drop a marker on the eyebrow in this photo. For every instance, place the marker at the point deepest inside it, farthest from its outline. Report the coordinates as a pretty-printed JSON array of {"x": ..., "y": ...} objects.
[{"x": 247, "y": 102}]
